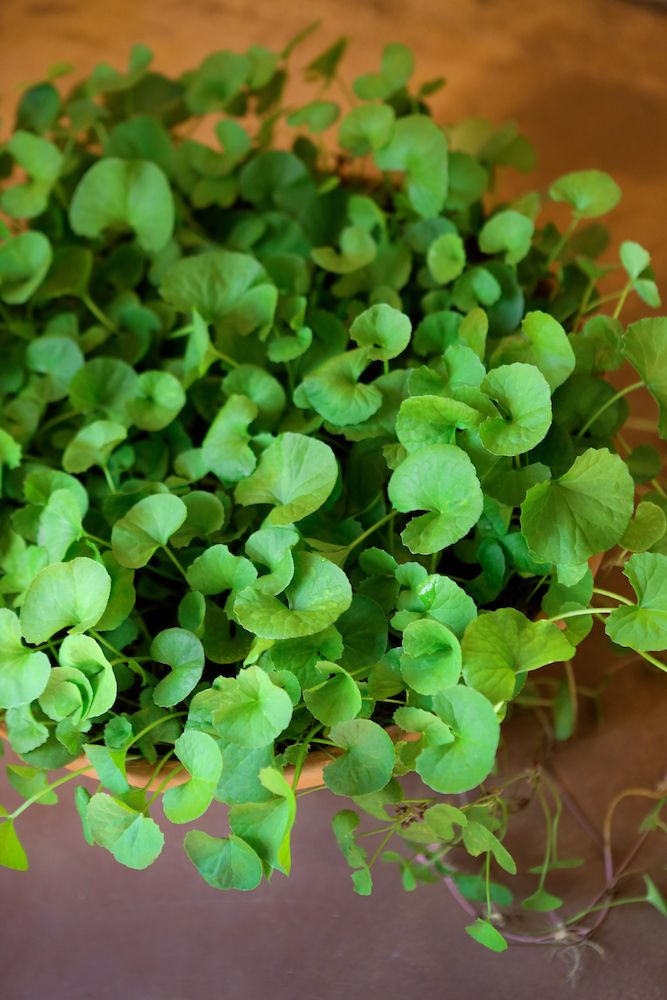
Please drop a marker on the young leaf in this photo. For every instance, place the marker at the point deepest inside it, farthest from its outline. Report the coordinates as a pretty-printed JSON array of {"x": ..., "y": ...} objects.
[
  {"x": 367, "y": 762},
  {"x": 644, "y": 625},
  {"x": 644, "y": 347},
  {"x": 524, "y": 400},
  {"x": 459, "y": 765},
  {"x": 147, "y": 526},
  {"x": 507, "y": 232},
  {"x": 23, "y": 672},
  {"x": 591, "y": 193},
  {"x": 12, "y": 854},
  {"x": 250, "y": 709},
  {"x": 70, "y": 595},
  {"x": 431, "y": 660},
  {"x": 135, "y": 840},
  {"x": 336, "y": 699},
  {"x": 501, "y": 645},
  {"x": 487, "y": 935},
  {"x": 583, "y": 512},
  {"x": 440, "y": 479},
  {"x": 124, "y": 193},
  {"x": 224, "y": 862},
  {"x": 295, "y": 475},
  {"x": 184, "y": 653},
  {"x": 201, "y": 758}
]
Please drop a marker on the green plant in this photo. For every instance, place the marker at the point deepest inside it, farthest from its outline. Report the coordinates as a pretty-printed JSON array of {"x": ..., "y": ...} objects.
[{"x": 295, "y": 445}]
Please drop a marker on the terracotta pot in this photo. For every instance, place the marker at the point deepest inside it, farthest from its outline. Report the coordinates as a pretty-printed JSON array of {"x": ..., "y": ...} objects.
[{"x": 139, "y": 772}]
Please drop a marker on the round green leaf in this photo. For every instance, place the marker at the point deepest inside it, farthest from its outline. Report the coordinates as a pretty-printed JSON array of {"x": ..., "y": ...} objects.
[
  {"x": 24, "y": 262},
  {"x": 367, "y": 763},
  {"x": 584, "y": 512},
  {"x": 124, "y": 193},
  {"x": 500, "y": 645},
  {"x": 644, "y": 346},
  {"x": 262, "y": 388},
  {"x": 317, "y": 595},
  {"x": 200, "y": 756},
  {"x": 426, "y": 420},
  {"x": 104, "y": 385},
  {"x": 225, "y": 449},
  {"x": 334, "y": 391},
  {"x": 216, "y": 570},
  {"x": 160, "y": 398},
  {"x": 145, "y": 528},
  {"x": 487, "y": 935},
  {"x": 184, "y": 653},
  {"x": 295, "y": 475},
  {"x": 419, "y": 148},
  {"x": 70, "y": 595},
  {"x": 431, "y": 658},
  {"x": 524, "y": 399},
  {"x": 135, "y": 840},
  {"x": 645, "y": 529},
  {"x": 336, "y": 699},
  {"x": 458, "y": 766},
  {"x": 250, "y": 709},
  {"x": 542, "y": 343},
  {"x": 382, "y": 328},
  {"x": 507, "y": 232},
  {"x": 440, "y": 479},
  {"x": 59, "y": 524},
  {"x": 366, "y": 128},
  {"x": 590, "y": 192},
  {"x": 83, "y": 653},
  {"x": 93, "y": 445},
  {"x": 446, "y": 258},
  {"x": 224, "y": 862},
  {"x": 644, "y": 625},
  {"x": 23, "y": 672},
  {"x": 316, "y": 116}
]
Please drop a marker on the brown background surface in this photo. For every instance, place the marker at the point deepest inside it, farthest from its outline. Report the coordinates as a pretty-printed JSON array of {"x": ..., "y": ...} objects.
[{"x": 587, "y": 81}]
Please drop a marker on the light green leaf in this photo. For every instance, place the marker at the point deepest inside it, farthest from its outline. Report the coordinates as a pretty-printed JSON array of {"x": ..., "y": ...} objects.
[
  {"x": 336, "y": 699},
  {"x": 226, "y": 449},
  {"x": 315, "y": 116},
  {"x": 201, "y": 758},
  {"x": 644, "y": 346},
  {"x": 295, "y": 474},
  {"x": 524, "y": 400},
  {"x": 262, "y": 388},
  {"x": 124, "y": 193},
  {"x": 70, "y": 595},
  {"x": 644, "y": 625},
  {"x": 224, "y": 862},
  {"x": 266, "y": 825},
  {"x": 440, "y": 479},
  {"x": 500, "y": 645},
  {"x": 24, "y": 262},
  {"x": 59, "y": 524},
  {"x": 159, "y": 400},
  {"x": 486, "y": 934},
  {"x": 135, "y": 840},
  {"x": 317, "y": 595},
  {"x": 10, "y": 453},
  {"x": 110, "y": 767},
  {"x": 419, "y": 148},
  {"x": 396, "y": 68},
  {"x": 431, "y": 658},
  {"x": 367, "y": 763},
  {"x": 542, "y": 343},
  {"x": 366, "y": 128},
  {"x": 145, "y": 528},
  {"x": 23, "y": 672},
  {"x": 184, "y": 653},
  {"x": 216, "y": 571},
  {"x": 509, "y": 232},
  {"x": 334, "y": 391},
  {"x": 478, "y": 839},
  {"x": 585, "y": 511},
  {"x": 224, "y": 287},
  {"x": 634, "y": 258},
  {"x": 459, "y": 765},
  {"x": 83, "y": 654},
  {"x": 272, "y": 547},
  {"x": 357, "y": 249},
  {"x": 446, "y": 258},
  {"x": 104, "y": 385},
  {"x": 12, "y": 854},
  {"x": 645, "y": 529},
  {"x": 250, "y": 709},
  {"x": 93, "y": 445},
  {"x": 591, "y": 193},
  {"x": 384, "y": 329}
]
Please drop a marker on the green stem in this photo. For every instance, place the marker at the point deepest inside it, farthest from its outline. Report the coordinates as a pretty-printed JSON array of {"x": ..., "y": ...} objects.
[
  {"x": 369, "y": 531},
  {"x": 121, "y": 656},
  {"x": 225, "y": 358},
  {"x": 605, "y": 406},
  {"x": 610, "y": 593},
  {"x": 152, "y": 725},
  {"x": 549, "y": 837},
  {"x": 98, "y": 541},
  {"x": 582, "y": 611},
  {"x": 604, "y": 906},
  {"x": 621, "y": 302},
  {"x": 383, "y": 844},
  {"x": 98, "y": 313},
  {"x": 107, "y": 476},
  {"x": 303, "y": 753},
  {"x": 45, "y": 791},
  {"x": 161, "y": 787},
  {"x": 60, "y": 419},
  {"x": 574, "y": 222},
  {"x": 175, "y": 561},
  {"x": 652, "y": 659}
]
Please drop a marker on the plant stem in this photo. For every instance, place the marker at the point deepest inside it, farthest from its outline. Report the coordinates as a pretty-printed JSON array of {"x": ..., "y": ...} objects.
[
  {"x": 623, "y": 296},
  {"x": 383, "y": 844},
  {"x": 581, "y": 611},
  {"x": 175, "y": 561},
  {"x": 369, "y": 531},
  {"x": 107, "y": 476},
  {"x": 161, "y": 787},
  {"x": 605, "y": 406},
  {"x": 152, "y": 725},
  {"x": 610, "y": 593},
  {"x": 574, "y": 222},
  {"x": 98, "y": 313},
  {"x": 98, "y": 541},
  {"x": 45, "y": 791}
]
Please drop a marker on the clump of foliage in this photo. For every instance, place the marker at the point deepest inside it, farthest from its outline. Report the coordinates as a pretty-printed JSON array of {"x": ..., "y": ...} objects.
[{"x": 300, "y": 431}]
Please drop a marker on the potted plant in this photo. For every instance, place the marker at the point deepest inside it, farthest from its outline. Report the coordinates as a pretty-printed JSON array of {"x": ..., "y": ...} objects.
[{"x": 308, "y": 452}]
